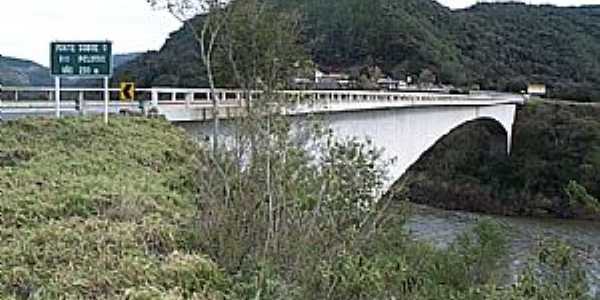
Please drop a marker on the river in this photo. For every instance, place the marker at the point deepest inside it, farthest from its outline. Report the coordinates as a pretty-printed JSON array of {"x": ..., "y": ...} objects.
[{"x": 441, "y": 227}]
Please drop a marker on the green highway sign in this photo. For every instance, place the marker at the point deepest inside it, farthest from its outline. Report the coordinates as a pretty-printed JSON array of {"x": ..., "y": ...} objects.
[{"x": 81, "y": 59}]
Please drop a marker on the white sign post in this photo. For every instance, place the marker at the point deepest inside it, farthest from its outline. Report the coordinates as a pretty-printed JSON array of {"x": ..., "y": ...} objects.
[
  {"x": 57, "y": 94},
  {"x": 106, "y": 100}
]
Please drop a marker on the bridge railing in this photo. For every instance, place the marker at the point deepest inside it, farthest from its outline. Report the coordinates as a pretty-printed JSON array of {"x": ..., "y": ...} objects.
[{"x": 203, "y": 96}]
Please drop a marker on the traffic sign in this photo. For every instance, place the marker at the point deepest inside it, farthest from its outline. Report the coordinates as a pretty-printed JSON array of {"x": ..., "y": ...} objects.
[
  {"x": 127, "y": 92},
  {"x": 81, "y": 59}
]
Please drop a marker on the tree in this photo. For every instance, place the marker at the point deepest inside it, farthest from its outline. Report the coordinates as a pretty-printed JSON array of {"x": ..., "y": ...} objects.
[
  {"x": 427, "y": 77},
  {"x": 259, "y": 50},
  {"x": 267, "y": 190},
  {"x": 260, "y": 46},
  {"x": 453, "y": 73},
  {"x": 205, "y": 34}
]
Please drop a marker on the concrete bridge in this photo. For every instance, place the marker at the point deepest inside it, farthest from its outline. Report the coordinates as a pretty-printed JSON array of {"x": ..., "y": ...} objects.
[{"x": 405, "y": 124}]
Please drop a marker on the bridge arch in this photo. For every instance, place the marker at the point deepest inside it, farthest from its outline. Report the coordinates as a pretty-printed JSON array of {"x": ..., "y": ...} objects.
[
  {"x": 468, "y": 147},
  {"x": 406, "y": 134}
]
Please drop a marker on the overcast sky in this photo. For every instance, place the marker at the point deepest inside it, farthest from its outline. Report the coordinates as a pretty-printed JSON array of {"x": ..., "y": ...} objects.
[{"x": 28, "y": 26}]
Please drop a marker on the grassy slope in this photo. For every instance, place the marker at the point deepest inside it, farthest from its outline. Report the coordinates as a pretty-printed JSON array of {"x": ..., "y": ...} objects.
[{"x": 96, "y": 211}]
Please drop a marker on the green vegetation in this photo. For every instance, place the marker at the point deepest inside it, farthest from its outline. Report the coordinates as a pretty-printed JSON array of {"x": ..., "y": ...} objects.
[
  {"x": 505, "y": 46},
  {"x": 501, "y": 46},
  {"x": 94, "y": 211},
  {"x": 123, "y": 212},
  {"x": 554, "y": 167}
]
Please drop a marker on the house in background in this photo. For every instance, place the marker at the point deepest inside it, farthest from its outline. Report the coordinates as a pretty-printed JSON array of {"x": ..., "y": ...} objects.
[
  {"x": 536, "y": 89},
  {"x": 391, "y": 84},
  {"x": 331, "y": 81}
]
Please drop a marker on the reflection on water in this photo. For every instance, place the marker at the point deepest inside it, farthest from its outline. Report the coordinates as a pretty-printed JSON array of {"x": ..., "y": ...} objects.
[{"x": 442, "y": 227}]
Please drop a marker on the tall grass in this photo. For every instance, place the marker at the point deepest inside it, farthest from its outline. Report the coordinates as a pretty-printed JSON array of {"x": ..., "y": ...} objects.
[{"x": 98, "y": 212}]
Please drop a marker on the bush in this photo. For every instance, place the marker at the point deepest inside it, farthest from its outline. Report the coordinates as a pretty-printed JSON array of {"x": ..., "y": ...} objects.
[
  {"x": 579, "y": 199},
  {"x": 555, "y": 274}
]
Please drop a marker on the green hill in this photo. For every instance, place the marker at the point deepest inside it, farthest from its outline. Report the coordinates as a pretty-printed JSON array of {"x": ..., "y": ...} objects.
[
  {"x": 14, "y": 71},
  {"x": 553, "y": 169},
  {"x": 20, "y": 72},
  {"x": 492, "y": 45},
  {"x": 504, "y": 46},
  {"x": 178, "y": 63}
]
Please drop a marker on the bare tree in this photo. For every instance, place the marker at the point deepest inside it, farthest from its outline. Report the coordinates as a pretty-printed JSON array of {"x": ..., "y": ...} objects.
[
  {"x": 214, "y": 18},
  {"x": 246, "y": 44},
  {"x": 267, "y": 196}
]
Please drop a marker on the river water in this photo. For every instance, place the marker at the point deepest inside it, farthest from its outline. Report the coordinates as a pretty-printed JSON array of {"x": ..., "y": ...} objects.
[{"x": 441, "y": 227}]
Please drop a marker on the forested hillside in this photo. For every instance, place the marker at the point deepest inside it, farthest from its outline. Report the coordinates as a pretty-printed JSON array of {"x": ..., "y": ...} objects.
[
  {"x": 178, "y": 63},
  {"x": 553, "y": 169},
  {"x": 491, "y": 45},
  {"x": 504, "y": 46},
  {"x": 15, "y": 71}
]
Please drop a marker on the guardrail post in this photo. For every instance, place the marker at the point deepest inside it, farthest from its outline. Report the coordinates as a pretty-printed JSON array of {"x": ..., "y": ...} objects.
[
  {"x": 238, "y": 96},
  {"x": 189, "y": 97},
  {"x": 81, "y": 103},
  {"x": 153, "y": 107},
  {"x": 0, "y": 103},
  {"x": 154, "y": 93}
]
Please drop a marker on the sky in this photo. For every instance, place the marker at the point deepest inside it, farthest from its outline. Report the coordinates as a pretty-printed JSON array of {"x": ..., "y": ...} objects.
[{"x": 28, "y": 26}]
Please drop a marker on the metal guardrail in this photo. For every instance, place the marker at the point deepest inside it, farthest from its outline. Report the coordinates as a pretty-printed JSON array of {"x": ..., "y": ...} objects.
[
  {"x": 200, "y": 94},
  {"x": 80, "y": 99}
]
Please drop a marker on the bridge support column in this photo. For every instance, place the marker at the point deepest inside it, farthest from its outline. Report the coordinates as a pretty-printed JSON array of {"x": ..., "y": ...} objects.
[
  {"x": 189, "y": 97},
  {"x": 154, "y": 98}
]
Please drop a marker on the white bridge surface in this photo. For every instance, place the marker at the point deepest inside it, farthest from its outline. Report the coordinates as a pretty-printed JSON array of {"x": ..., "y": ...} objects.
[{"x": 405, "y": 124}]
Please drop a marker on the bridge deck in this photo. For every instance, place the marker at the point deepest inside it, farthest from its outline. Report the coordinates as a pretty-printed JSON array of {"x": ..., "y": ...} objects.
[{"x": 196, "y": 104}]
